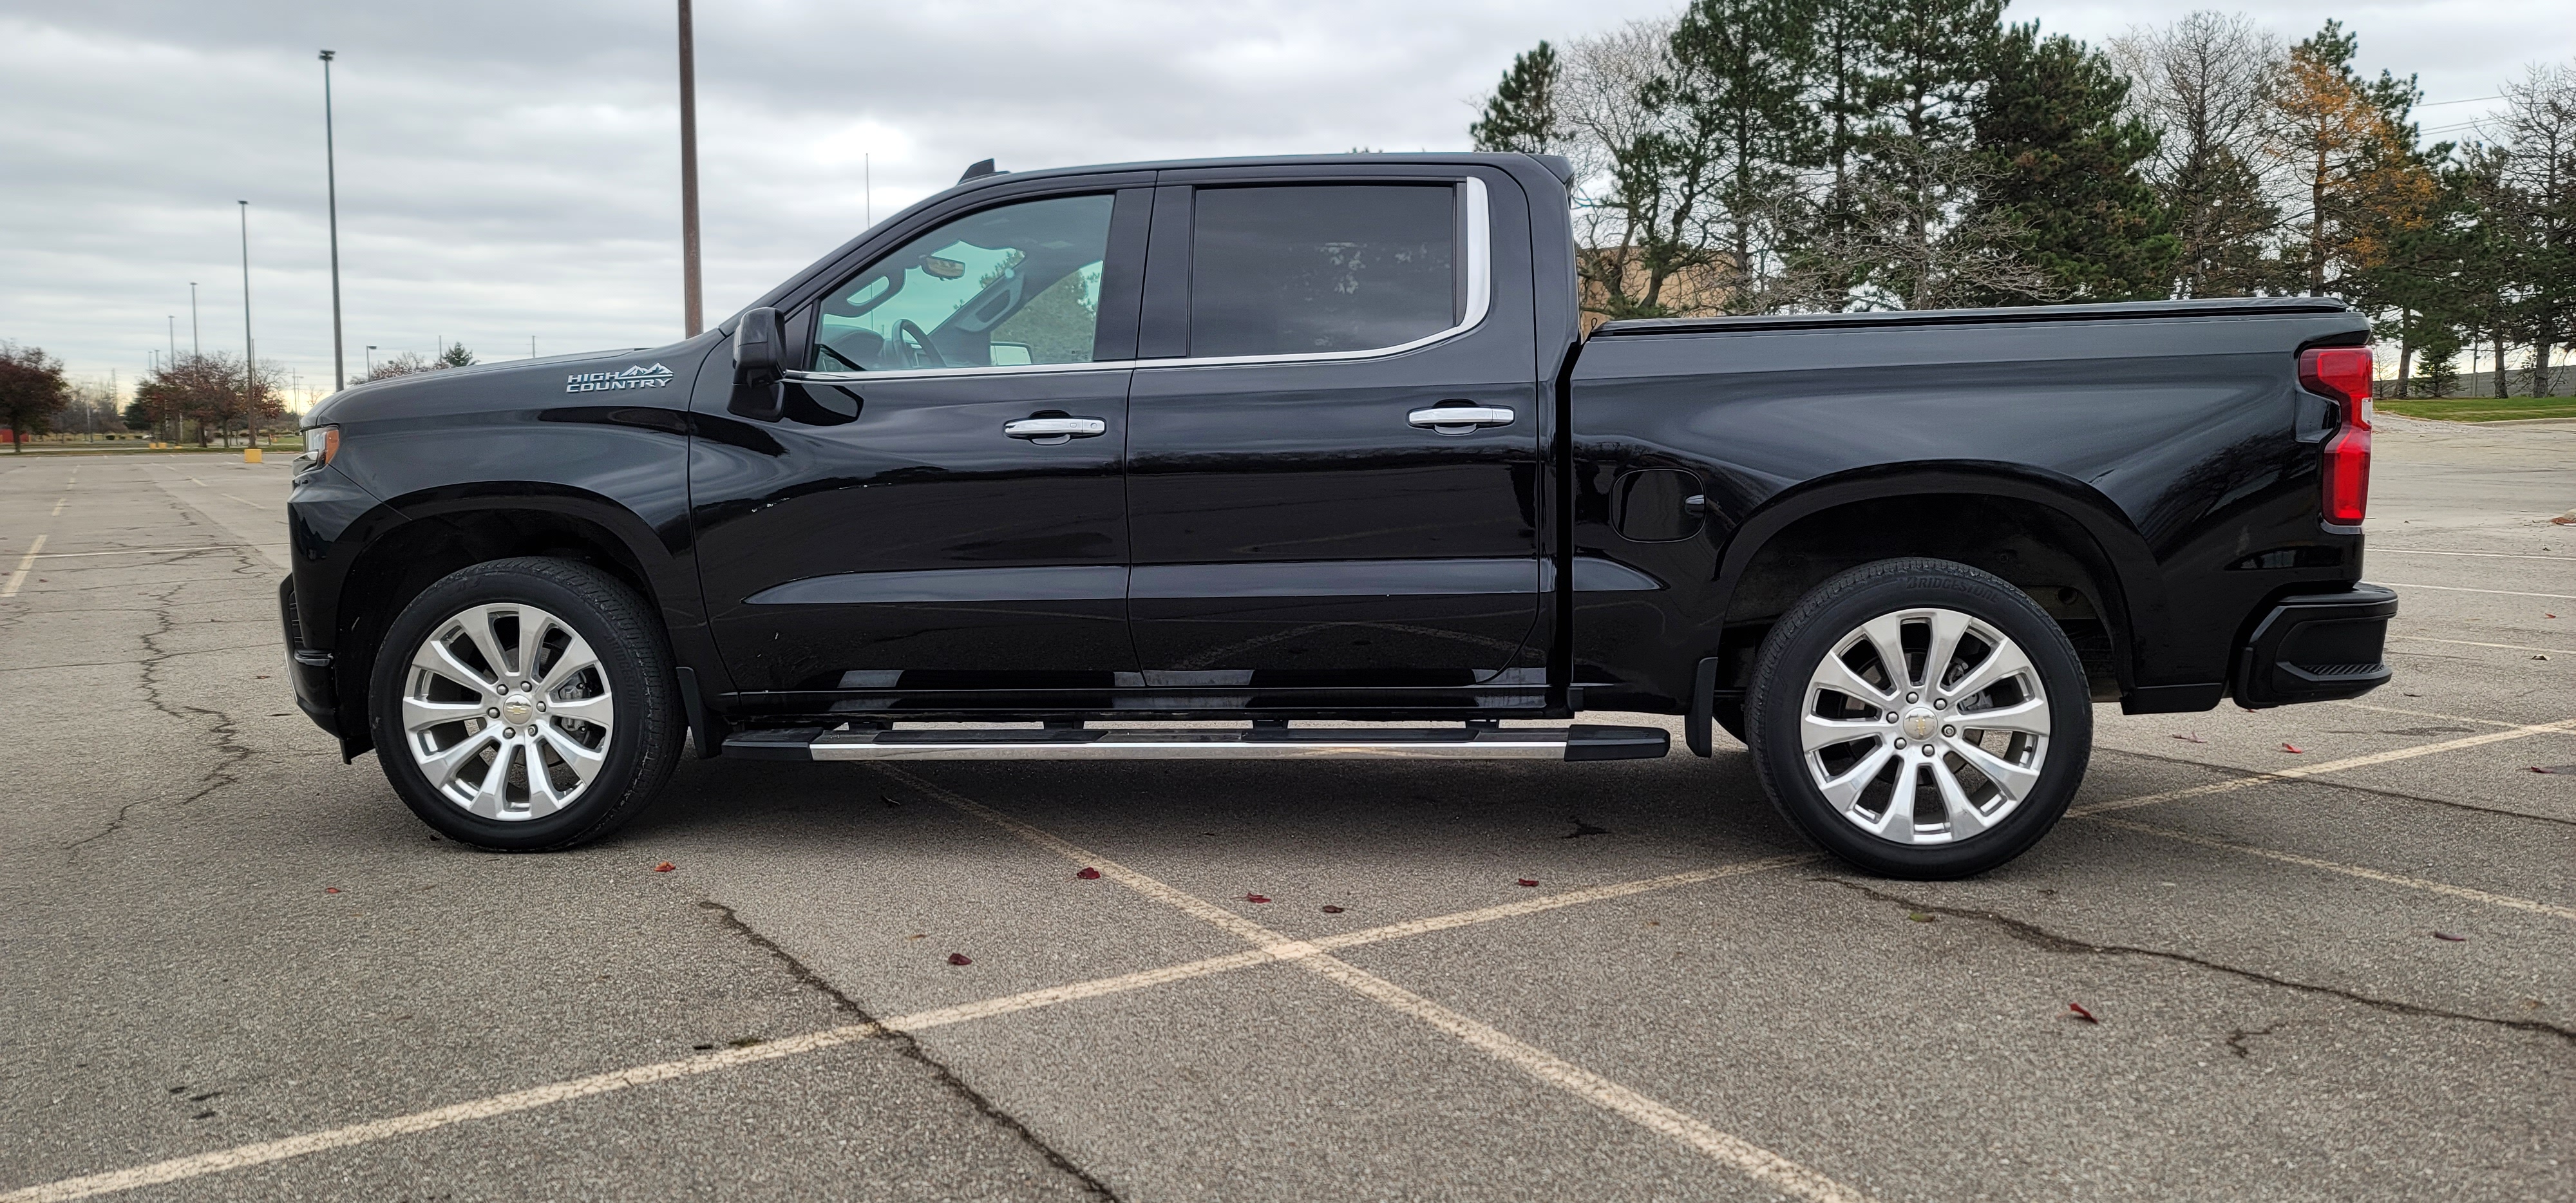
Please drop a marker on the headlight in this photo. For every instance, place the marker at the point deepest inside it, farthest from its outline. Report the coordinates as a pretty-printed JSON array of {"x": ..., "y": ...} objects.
[{"x": 320, "y": 444}]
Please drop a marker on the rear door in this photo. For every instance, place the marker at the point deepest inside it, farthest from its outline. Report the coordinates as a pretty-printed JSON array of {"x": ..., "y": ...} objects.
[
  {"x": 939, "y": 519},
  {"x": 1305, "y": 523}
]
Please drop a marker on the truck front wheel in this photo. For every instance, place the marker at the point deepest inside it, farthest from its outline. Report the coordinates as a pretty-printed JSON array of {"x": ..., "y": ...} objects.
[
  {"x": 1919, "y": 718},
  {"x": 525, "y": 705}
]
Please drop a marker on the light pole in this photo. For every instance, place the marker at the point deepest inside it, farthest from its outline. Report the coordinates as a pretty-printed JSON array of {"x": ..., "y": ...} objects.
[
  {"x": 196, "y": 343},
  {"x": 174, "y": 336},
  {"x": 331, "y": 184},
  {"x": 250, "y": 350},
  {"x": 695, "y": 319},
  {"x": 371, "y": 361}
]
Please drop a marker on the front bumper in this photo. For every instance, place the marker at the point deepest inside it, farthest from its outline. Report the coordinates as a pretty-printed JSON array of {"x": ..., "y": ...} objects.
[
  {"x": 2317, "y": 648},
  {"x": 310, "y": 670}
]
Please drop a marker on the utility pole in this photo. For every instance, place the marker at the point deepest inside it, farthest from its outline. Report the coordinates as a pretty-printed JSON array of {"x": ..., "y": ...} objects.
[
  {"x": 196, "y": 343},
  {"x": 331, "y": 184},
  {"x": 250, "y": 350},
  {"x": 695, "y": 316},
  {"x": 174, "y": 336}
]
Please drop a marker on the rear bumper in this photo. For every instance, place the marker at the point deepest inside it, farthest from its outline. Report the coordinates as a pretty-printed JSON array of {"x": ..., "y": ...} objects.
[
  {"x": 308, "y": 669},
  {"x": 2317, "y": 648}
]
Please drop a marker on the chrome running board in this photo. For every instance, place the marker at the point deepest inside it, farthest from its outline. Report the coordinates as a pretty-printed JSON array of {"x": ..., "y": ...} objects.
[{"x": 1579, "y": 742}]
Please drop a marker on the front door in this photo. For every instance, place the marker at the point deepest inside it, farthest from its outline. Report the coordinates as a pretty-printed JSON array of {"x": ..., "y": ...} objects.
[
  {"x": 1333, "y": 480},
  {"x": 942, "y": 523}
]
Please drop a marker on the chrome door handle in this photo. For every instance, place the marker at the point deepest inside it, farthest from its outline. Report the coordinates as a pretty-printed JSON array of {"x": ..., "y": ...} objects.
[
  {"x": 1459, "y": 419},
  {"x": 1050, "y": 431}
]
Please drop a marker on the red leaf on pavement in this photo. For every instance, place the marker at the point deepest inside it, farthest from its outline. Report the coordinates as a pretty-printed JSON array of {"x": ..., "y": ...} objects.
[
  {"x": 2191, "y": 739},
  {"x": 2081, "y": 1013},
  {"x": 2443, "y": 935},
  {"x": 1088, "y": 873},
  {"x": 1332, "y": 910},
  {"x": 959, "y": 958},
  {"x": 1527, "y": 882},
  {"x": 2565, "y": 770},
  {"x": 1256, "y": 898},
  {"x": 330, "y": 889},
  {"x": 2293, "y": 748},
  {"x": 664, "y": 867}
]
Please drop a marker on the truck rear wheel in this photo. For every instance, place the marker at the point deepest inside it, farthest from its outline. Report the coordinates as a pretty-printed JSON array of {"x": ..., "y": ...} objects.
[
  {"x": 525, "y": 705},
  {"x": 1919, "y": 718}
]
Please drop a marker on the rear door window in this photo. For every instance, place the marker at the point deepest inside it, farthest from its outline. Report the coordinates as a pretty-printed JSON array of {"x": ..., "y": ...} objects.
[{"x": 1315, "y": 269}]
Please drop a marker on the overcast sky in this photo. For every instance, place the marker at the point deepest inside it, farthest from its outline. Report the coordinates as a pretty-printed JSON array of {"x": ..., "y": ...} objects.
[{"x": 509, "y": 171}]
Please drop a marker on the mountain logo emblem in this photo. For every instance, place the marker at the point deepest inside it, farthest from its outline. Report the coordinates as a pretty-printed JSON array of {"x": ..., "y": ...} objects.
[{"x": 636, "y": 376}]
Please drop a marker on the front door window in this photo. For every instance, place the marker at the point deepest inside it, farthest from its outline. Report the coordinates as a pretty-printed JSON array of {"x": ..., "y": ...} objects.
[{"x": 1015, "y": 286}]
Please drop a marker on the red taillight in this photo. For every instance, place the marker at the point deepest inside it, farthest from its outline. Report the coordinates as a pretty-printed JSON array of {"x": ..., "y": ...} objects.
[{"x": 2343, "y": 373}]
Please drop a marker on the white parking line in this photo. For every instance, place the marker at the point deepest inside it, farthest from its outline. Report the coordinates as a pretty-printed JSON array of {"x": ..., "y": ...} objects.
[
  {"x": 1762, "y": 1165},
  {"x": 2233, "y": 784},
  {"x": 2461, "y": 589},
  {"x": 265, "y": 1152},
  {"x": 2491, "y": 555},
  {"x": 2455, "y": 718},
  {"x": 25, "y": 562},
  {"x": 146, "y": 551},
  {"x": 2514, "y": 647},
  {"x": 2394, "y": 879}
]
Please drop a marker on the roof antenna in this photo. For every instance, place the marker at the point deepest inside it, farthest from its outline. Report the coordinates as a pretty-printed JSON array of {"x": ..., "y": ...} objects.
[{"x": 978, "y": 171}]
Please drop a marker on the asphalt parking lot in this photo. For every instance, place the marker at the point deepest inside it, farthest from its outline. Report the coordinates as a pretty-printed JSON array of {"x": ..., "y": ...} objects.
[{"x": 231, "y": 966}]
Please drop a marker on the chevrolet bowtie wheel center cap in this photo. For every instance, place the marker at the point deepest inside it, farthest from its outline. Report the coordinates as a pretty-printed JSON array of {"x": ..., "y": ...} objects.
[
  {"x": 1918, "y": 723},
  {"x": 517, "y": 710}
]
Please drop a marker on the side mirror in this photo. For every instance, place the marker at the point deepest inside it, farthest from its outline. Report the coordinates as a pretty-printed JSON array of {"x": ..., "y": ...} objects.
[{"x": 759, "y": 351}]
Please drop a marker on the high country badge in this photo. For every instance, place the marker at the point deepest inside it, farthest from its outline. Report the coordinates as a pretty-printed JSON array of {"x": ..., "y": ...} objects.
[{"x": 638, "y": 376}]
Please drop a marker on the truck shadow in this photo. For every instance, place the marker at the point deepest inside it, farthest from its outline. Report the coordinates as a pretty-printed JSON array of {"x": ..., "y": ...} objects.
[{"x": 1677, "y": 812}]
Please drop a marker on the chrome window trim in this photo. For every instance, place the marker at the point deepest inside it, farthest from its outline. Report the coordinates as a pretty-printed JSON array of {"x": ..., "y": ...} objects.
[{"x": 1479, "y": 240}]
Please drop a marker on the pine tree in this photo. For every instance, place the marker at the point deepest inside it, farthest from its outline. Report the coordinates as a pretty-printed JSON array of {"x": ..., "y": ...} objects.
[
  {"x": 1522, "y": 114},
  {"x": 455, "y": 356},
  {"x": 1740, "y": 71},
  {"x": 1927, "y": 57},
  {"x": 2066, "y": 162},
  {"x": 2351, "y": 148}
]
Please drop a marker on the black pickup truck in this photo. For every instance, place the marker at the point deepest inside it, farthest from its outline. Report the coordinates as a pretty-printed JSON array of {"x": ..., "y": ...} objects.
[{"x": 1055, "y": 462}]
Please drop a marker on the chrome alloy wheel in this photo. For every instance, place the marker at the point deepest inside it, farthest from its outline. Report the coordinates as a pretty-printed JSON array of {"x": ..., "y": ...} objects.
[
  {"x": 507, "y": 712},
  {"x": 1925, "y": 726}
]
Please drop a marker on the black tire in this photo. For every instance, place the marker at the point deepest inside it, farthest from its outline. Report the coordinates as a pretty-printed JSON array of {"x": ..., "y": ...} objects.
[
  {"x": 1782, "y": 686},
  {"x": 643, "y": 735}
]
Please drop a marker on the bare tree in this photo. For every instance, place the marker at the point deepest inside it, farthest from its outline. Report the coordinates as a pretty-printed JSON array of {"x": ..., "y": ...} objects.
[
  {"x": 2539, "y": 192},
  {"x": 408, "y": 363},
  {"x": 2202, "y": 83},
  {"x": 1633, "y": 209}
]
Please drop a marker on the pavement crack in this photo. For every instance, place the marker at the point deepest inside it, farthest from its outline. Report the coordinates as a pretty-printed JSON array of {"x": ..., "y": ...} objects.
[
  {"x": 904, "y": 1043},
  {"x": 230, "y": 751},
  {"x": 2033, "y": 934},
  {"x": 2236, "y": 1039}
]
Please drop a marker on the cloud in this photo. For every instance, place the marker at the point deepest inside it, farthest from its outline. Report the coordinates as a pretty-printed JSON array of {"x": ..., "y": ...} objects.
[{"x": 509, "y": 171}]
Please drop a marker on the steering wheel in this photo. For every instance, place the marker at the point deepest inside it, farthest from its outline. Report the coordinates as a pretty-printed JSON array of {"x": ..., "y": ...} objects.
[{"x": 920, "y": 339}]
